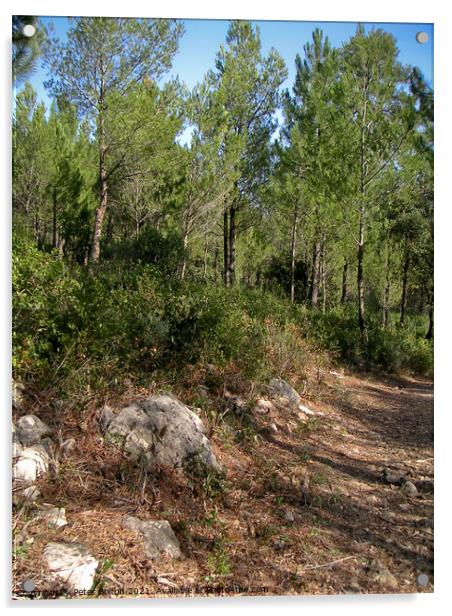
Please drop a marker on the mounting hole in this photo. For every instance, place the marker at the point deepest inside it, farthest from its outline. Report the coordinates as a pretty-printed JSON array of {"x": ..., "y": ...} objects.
[
  {"x": 28, "y": 30},
  {"x": 422, "y": 37},
  {"x": 422, "y": 579},
  {"x": 28, "y": 586}
]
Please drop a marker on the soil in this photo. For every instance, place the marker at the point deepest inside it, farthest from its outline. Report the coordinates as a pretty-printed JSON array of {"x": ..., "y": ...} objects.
[{"x": 305, "y": 507}]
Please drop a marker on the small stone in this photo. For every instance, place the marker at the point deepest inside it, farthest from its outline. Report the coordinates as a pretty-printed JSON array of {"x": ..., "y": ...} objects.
[
  {"x": 32, "y": 462},
  {"x": 409, "y": 489},
  {"x": 72, "y": 564},
  {"x": 354, "y": 587},
  {"x": 68, "y": 446},
  {"x": 393, "y": 477},
  {"x": 30, "y": 430},
  {"x": 54, "y": 516},
  {"x": 273, "y": 428},
  {"x": 17, "y": 395},
  {"x": 157, "y": 535},
  {"x": 289, "y": 516},
  {"x": 264, "y": 407},
  {"x": 380, "y": 573},
  {"x": 27, "y": 495},
  {"x": 278, "y": 544},
  {"x": 104, "y": 417},
  {"x": 285, "y": 393},
  {"x": 304, "y": 409},
  {"x": 236, "y": 404}
]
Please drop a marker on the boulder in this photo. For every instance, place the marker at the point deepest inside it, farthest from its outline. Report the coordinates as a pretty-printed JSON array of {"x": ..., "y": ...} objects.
[
  {"x": 30, "y": 430},
  {"x": 157, "y": 536},
  {"x": 72, "y": 564},
  {"x": 284, "y": 393},
  {"x": 160, "y": 430}
]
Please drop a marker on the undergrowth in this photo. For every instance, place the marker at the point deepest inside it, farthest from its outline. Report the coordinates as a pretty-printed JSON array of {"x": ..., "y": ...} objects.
[{"x": 84, "y": 334}]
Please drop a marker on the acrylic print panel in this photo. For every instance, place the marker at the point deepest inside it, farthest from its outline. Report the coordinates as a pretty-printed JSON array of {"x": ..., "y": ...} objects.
[{"x": 222, "y": 307}]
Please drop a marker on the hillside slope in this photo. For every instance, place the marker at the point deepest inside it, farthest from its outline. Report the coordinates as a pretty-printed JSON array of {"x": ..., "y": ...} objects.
[{"x": 305, "y": 507}]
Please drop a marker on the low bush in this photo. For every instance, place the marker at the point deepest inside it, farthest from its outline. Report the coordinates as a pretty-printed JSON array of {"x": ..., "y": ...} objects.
[{"x": 94, "y": 329}]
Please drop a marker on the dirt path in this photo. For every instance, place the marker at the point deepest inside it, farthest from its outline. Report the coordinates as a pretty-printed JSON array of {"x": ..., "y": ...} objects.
[{"x": 374, "y": 425}]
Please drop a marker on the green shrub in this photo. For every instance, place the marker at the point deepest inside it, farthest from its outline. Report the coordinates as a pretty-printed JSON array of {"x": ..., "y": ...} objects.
[{"x": 92, "y": 329}]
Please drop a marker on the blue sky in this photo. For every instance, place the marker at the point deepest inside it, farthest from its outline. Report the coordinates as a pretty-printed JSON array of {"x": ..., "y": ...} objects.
[{"x": 202, "y": 39}]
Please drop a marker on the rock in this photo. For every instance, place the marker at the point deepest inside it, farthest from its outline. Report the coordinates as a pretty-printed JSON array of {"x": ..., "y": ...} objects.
[
  {"x": 409, "y": 489},
  {"x": 30, "y": 430},
  {"x": 304, "y": 409},
  {"x": 279, "y": 544},
  {"x": 54, "y": 516},
  {"x": 285, "y": 393},
  {"x": 68, "y": 446},
  {"x": 236, "y": 404},
  {"x": 289, "y": 516},
  {"x": 393, "y": 477},
  {"x": 17, "y": 395},
  {"x": 157, "y": 535},
  {"x": 273, "y": 428},
  {"x": 264, "y": 407},
  {"x": 17, "y": 446},
  {"x": 72, "y": 564},
  {"x": 354, "y": 587},
  {"x": 32, "y": 462},
  {"x": 27, "y": 495},
  {"x": 161, "y": 430},
  {"x": 28, "y": 465},
  {"x": 104, "y": 416},
  {"x": 380, "y": 573}
]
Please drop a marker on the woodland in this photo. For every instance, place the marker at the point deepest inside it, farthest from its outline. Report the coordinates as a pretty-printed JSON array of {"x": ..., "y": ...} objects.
[{"x": 205, "y": 241}]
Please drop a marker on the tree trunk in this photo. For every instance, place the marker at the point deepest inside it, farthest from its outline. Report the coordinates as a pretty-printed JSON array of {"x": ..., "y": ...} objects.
[
  {"x": 293, "y": 251},
  {"x": 54, "y": 218},
  {"x": 385, "y": 321},
  {"x": 215, "y": 263},
  {"x": 429, "y": 335},
  {"x": 322, "y": 276},
  {"x": 360, "y": 278},
  {"x": 232, "y": 235},
  {"x": 406, "y": 267},
  {"x": 344, "y": 296},
  {"x": 315, "y": 274},
  {"x": 206, "y": 253},
  {"x": 226, "y": 247},
  {"x": 362, "y": 210},
  {"x": 36, "y": 225},
  {"x": 258, "y": 278},
  {"x": 183, "y": 267},
  {"x": 103, "y": 188}
]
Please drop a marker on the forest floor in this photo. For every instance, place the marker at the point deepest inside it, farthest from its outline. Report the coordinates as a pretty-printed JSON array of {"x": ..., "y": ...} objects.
[{"x": 304, "y": 509}]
